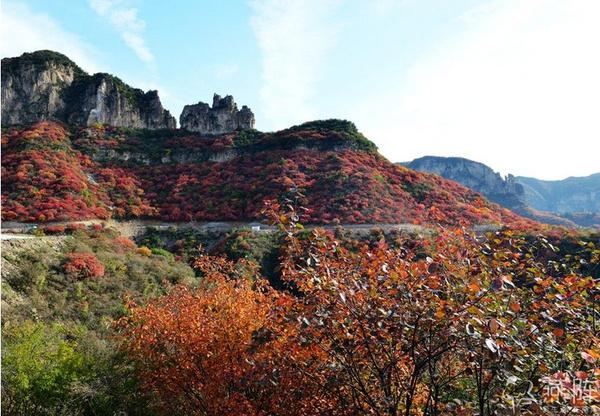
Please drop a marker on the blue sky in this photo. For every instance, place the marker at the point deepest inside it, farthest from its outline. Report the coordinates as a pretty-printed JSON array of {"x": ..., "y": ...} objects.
[{"x": 511, "y": 83}]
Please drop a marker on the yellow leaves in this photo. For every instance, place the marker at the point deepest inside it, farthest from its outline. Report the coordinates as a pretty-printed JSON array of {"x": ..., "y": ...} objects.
[
  {"x": 440, "y": 313},
  {"x": 473, "y": 310},
  {"x": 144, "y": 251}
]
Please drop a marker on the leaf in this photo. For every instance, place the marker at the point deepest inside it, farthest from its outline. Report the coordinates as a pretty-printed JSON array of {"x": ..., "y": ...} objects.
[
  {"x": 492, "y": 346},
  {"x": 514, "y": 306},
  {"x": 474, "y": 287},
  {"x": 497, "y": 284},
  {"x": 493, "y": 325},
  {"x": 512, "y": 379},
  {"x": 590, "y": 356}
]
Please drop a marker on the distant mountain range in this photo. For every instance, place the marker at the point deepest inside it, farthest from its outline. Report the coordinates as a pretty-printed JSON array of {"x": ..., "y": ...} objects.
[{"x": 575, "y": 200}]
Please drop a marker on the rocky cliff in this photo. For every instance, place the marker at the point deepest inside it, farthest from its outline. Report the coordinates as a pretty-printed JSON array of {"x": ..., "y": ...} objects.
[
  {"x": 222, "y": 117},
  {"x": 46, "y": 85}
]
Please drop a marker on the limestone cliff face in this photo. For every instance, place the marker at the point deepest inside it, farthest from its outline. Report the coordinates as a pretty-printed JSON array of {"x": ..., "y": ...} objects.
[
  {"x": 105, "y": 99},
  {"x": 223, "y": 117},
  {"x": 46, "y": 85},
  {"x": 33, "y": 87}
]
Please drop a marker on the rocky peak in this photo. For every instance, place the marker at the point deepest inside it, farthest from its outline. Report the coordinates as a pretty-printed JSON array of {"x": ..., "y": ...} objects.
[
  {"x": 223, "y": 117},
  {"x": 46, "y": 85}
]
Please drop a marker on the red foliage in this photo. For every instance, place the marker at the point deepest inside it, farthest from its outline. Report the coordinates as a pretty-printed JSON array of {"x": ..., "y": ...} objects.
[
  {"x": 83, "y": 265},
  {"x": 126, "y": 243},
  {"x": 370, "y": 330},
  {"x": 46, "y": 178},
  {"x": 54, "y": 229}
]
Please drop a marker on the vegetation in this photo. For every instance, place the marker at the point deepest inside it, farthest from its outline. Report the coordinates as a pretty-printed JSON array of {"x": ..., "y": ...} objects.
[
  {"x": 48, "y": 177},
  {"x": 450, "y": 325},
  {"x": 59, "y": 299},
  {"x": 39, "y": 59}
]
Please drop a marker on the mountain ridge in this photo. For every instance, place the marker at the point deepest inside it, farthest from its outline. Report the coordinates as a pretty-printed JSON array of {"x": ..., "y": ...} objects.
[
  {"x": 91, "y": 146},
  {"x": 47, "y": 85},
  {"x": 50, "y": 173},
  {"x": 530, "y": 197}
]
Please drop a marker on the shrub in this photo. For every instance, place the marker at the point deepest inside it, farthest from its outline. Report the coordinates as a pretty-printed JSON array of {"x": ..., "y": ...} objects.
[
  {"x": 125, "y": 242},
  {"x": 144, "y": 251},
  {"x": 38, "y": 367},
  {"x": 164, "y": 253},
  {"x": 83, "y": 265}
]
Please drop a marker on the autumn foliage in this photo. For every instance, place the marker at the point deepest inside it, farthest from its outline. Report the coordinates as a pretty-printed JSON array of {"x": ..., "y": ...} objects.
[
  {"x": 83, "y": 265},
  {"x": 454, "y": 324},
  {"x": 51, "y": 173}
]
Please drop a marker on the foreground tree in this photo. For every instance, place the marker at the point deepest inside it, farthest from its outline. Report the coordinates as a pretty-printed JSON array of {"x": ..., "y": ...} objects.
[{"x": 452, "y": 324}]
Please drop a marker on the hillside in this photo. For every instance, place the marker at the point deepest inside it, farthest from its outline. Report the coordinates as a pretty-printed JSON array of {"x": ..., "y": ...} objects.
[
  {"x": 77, "y": 146},
  {"x": 56, "y": 172},
  {"x": 570, "y": 202}
]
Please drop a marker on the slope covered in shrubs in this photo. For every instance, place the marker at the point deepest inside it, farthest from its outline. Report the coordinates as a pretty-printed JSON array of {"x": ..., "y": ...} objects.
[
  {"x": 60, "y": 296},
  {"x": 51, "y": 172}
]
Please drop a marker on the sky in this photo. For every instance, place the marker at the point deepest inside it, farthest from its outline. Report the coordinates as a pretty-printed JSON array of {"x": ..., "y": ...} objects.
[{"x": 514, "y": 84}]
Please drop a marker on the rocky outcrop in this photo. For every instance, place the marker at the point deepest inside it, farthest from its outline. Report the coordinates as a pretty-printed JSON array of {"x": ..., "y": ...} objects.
[
  {"x": 33, "y": 86},
  {"x": 105, "y": 99},
  {"x": 223, "y": 117},
  {"x": 46, "y": 85}
]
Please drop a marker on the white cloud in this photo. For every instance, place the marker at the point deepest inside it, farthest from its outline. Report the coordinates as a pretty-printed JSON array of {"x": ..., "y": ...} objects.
[
  {"x": 518, "y": 89},
  {"x": 294, "y": 38},
  {"x": 24, "y": 30},
  {"x": 127, "y": 22}
]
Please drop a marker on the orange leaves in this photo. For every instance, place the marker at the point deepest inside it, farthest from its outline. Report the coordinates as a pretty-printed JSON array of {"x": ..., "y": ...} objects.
[
  {"x": 83, "y": 265},
  {"x": 364, "y": 329},
  {"x": 474, "y": 287},
  {"x": 514, "y": 306},
  {"x": 197, "y": 345}
]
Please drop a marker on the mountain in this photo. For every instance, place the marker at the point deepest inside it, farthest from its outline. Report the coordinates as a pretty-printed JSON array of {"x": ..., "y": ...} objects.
[
  {"x": 78, "y": 146},
  {"x": 46, "y": 85},
  {"x": 570, "y": 202},
  {"x": 571, "y": 195},
  {"x": 54, "y": 172}
]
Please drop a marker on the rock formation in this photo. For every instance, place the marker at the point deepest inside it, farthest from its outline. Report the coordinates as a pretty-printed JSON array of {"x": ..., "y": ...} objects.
[
  {"x": 46, "y": 85},
  {"x": 223, "y": 117}
]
